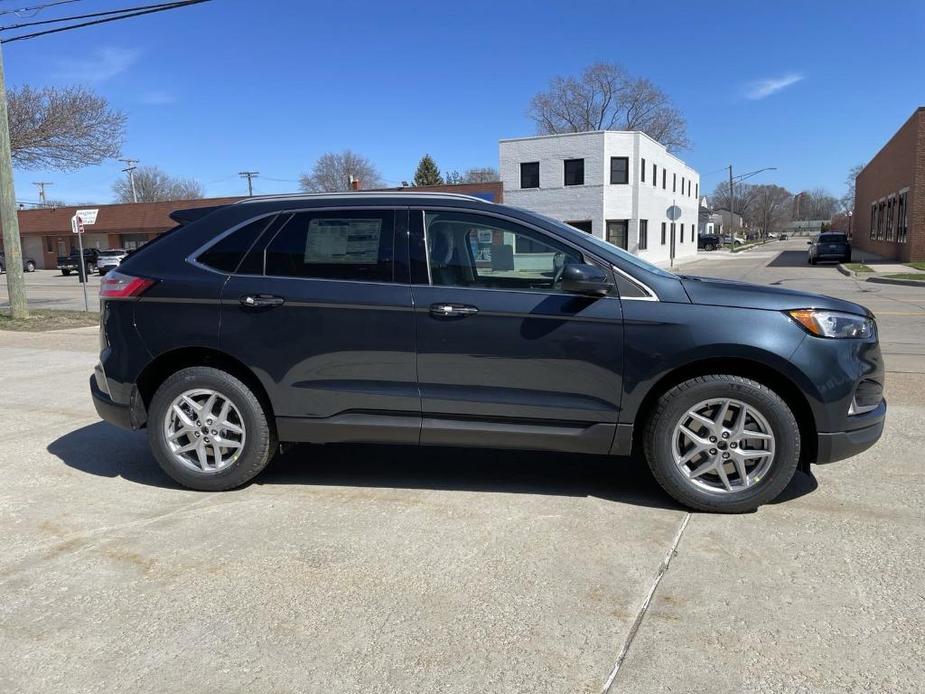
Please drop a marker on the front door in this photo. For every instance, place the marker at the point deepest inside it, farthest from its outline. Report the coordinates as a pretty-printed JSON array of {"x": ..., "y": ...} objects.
[
  {"x": 317, "y": 312},
  {"x": 505, "y": 357}
]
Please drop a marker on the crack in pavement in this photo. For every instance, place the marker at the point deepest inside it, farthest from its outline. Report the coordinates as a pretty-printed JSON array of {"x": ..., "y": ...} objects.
[{"x": 644, "y": 608}]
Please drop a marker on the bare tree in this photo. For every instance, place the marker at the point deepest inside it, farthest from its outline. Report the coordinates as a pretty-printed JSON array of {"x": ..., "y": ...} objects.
[
  {"x": 606, "y": 97},
  {"x": 486, "y": 174},
  {"x": 62, "y": 128},
  {"x": 333, "y": 170},
  {"x": 741, "y": 200},
  {"x": 847, "y": 200},
  {"x": 817, "y": 203},
  {"x": 769, "y": 207},
  {"x": 153, "y": 185}
]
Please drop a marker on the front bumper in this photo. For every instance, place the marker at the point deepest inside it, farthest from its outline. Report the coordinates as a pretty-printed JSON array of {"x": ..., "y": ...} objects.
[{"x": 834, "y": 446}]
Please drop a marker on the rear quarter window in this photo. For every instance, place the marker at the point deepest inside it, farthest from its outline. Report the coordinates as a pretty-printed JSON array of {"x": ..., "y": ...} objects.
[{"x": 226, "y": 254}]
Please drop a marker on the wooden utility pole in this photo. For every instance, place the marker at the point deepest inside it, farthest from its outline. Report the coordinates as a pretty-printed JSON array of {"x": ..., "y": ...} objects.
[
  {"x": 250, "y": 176},
  {"x": 15, "y": 279}
]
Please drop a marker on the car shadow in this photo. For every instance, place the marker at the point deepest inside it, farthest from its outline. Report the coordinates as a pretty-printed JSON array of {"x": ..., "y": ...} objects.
[
  {"x": 789, "y": 259},
  {"x": 103, "y": 450}
]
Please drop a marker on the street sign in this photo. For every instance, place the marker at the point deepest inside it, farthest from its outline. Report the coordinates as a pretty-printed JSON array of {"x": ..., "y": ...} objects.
[
  {"x": 88, "y": 216},
  {"x": 77, "y": 224},
  {"x": 674, "y": 213}
]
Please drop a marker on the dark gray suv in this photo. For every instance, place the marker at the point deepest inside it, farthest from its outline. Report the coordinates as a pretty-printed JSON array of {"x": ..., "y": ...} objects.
[{"x": 446, "y": 320}]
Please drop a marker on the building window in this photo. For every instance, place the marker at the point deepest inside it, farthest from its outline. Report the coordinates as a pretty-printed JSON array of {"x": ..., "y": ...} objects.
[
  {"x": 682, "y": 185},
  {"x": 574, "y": 172},
  {"x": 642, "y": 171},
  {"x": 902, "y": 218},
  {"x": 616, "y": 232},
  {"x": 619, "y": 170},
  {"x": 49, "y": 244},
  {"x": 674, "y": 183},
  {"x": 697, "y": 191},
  {"x": 664, "y": 231},
  {"x": 664, "y": 179},
  {"x": 654, "y": 175},
  {"x": 530, "y": 175},
  {"x": 873, "y": 221},
  {"x": 682, "y": 233},
  {"x": 584, "y": 226},
  {"x": 881, "y": 219},
  {"x": 889, "y": 218},
  {"x": 643, "y": 234}
]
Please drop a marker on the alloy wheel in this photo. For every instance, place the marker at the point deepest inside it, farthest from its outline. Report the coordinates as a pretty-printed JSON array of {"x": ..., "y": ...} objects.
[
  {"x": 723, "y": 445},
  {"x": 204, "y": 430}
]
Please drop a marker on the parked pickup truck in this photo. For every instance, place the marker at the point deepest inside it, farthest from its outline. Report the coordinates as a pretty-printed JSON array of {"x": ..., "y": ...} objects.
[{"x": 70, "y": 263}]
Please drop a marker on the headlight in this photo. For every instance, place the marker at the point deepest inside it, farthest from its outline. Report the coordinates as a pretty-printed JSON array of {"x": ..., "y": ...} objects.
[{"x": 833, "y": 323}]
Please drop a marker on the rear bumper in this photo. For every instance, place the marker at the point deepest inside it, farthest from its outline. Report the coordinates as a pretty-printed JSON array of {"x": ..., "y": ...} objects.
[
  {"x": 835, "y": 446},
  {"x": 109, "y": 410}
]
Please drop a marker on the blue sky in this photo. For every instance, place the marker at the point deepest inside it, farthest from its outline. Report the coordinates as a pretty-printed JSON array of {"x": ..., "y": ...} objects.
[{"x": 809, "y": 87}]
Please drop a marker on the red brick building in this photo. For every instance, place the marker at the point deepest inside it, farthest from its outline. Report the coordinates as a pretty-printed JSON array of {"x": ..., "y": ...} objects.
[
  {"x": 889, "y": 199},
  {"x": 46, "y": 231}
]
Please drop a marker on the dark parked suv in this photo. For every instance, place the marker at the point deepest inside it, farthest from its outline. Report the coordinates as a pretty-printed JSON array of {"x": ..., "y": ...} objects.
[{"x": 450, "y": 321}]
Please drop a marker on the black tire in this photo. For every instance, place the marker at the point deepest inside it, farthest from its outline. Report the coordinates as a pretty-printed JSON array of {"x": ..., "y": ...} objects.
[
  {"x": 812, "y": 261},
  {"x": 709, "y": 247},
  {"x": 673, "y": 405},
  {"x": 260, "y": 442},
  {"x": 65, "y": 272},
  {"x": 29, "y": 267}
]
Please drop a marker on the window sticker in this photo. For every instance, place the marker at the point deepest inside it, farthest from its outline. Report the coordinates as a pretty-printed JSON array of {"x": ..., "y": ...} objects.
[{"x": 350, "y": 241}]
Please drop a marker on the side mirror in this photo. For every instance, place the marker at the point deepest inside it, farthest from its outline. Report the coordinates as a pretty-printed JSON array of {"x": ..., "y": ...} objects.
[{"x": 589, "y": 280}]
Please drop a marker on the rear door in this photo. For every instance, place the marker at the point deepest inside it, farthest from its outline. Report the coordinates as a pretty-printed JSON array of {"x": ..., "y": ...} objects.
[
  {"x": 505, "y": 358},
  {"x": 320, "y": 311}
]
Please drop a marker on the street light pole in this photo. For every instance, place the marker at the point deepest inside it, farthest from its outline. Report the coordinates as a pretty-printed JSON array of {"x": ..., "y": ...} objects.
[{"x": 15, "y": 280}]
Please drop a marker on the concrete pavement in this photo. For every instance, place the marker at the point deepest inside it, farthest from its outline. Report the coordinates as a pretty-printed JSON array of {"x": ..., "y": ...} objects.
[{"x": 357, "y": 569}]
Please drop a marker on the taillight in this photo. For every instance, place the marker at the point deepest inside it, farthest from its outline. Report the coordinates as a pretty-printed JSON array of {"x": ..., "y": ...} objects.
[{"x": 116, "y": 285}]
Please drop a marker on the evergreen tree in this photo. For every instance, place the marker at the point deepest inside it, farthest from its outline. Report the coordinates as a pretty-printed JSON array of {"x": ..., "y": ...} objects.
[{"x": 427, "y": 173}]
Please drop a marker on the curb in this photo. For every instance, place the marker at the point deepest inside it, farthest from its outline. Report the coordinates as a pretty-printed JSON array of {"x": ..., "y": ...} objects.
[
  {"x": 852, "y": 273},
  {"x": 750, "y": 247},
  {"x": 890, "y": 280}
]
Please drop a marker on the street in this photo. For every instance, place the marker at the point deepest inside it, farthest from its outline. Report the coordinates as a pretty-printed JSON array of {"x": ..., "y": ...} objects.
[{"x": 361, "y": 568}]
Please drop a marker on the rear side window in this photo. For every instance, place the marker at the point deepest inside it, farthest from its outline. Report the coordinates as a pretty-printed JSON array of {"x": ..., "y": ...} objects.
[
  {"x": 226, "y": 255},
  {"x": 343, "y": 245}
]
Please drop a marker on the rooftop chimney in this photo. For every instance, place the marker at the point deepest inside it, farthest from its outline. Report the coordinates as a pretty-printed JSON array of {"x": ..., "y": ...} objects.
[{"x": 354, "y": 183}]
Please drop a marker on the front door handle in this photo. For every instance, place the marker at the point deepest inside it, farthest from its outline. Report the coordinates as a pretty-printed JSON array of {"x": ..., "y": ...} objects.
[
  {"x": 261, "y": 300},
  {"x": 452, "y": 310}
]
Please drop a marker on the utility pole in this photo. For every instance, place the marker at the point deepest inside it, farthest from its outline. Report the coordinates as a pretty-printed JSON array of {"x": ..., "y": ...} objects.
[
  {"x": 732, "y": 238},
  {"x": 130, "y": 170},
  {"x": 41, "y": 186},
  {"x": 15, "y": 280},
  {"x": 250, "y": 176}
]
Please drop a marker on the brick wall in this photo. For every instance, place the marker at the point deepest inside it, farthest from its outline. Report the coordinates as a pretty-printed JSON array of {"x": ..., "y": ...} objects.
[{"x": 899, "y": 164}]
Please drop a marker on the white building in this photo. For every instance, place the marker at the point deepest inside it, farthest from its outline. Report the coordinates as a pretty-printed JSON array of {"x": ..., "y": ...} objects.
[{"x": 617, "y": 185}]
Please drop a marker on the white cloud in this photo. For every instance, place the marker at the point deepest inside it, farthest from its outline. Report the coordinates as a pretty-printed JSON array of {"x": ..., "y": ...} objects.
[
  {"x": 761, "y": 89},
  {"x": 157, "y": 98},
  {"x": 99, "y": 66}
]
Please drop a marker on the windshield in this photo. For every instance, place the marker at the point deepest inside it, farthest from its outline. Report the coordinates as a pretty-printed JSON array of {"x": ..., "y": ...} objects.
[
  {"x": 607, "y": 248},
  {"x": 832, "y": 238}
]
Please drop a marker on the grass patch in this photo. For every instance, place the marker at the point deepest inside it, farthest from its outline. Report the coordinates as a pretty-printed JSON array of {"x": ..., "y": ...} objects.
[
  {"x": 858, "y": 267},
  {"x": 41, "y": 320},
  {"x": 917, "y": 266},
  {"x": 906, "y": 276}
]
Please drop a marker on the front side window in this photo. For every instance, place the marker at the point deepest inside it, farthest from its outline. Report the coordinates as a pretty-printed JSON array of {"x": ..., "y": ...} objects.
[
  {"x": 530, "y": 175},
  {"x": 480, "y": 252},
  {"x": 619, "y": 170},
  {"x": 574, "y": 172},
  {"x": 342, "y": 245}
]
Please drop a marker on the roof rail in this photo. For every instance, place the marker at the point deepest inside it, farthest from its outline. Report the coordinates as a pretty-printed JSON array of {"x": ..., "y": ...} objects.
[{"x": 360, "y": 194}]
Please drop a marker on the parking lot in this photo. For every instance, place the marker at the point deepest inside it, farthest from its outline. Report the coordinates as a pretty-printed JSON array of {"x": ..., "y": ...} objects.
[{"x": 358, "y": 569}]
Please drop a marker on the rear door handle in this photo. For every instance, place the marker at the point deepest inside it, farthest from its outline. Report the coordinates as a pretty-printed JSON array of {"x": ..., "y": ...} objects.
[
  {"x": 261, "y": 300},
  {"x": 452, "y": 310}
]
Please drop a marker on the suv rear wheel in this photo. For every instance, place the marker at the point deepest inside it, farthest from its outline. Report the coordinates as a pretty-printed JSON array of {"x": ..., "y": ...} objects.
[
  {"x": 722, "y": 443},
  {"x": 208, "y": 430}
]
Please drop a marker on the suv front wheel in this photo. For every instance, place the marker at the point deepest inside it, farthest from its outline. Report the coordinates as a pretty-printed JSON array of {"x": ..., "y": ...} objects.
[
  {"x": 722, "y": 443},
  {"x": 208, "y": 430}
]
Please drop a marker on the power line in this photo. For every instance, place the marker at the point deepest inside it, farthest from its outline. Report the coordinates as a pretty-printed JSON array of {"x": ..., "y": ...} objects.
[
  {"x": 38, "y": 8},
  {"x": 80, "y": 16},
  {"x": 155, "y": 8}
]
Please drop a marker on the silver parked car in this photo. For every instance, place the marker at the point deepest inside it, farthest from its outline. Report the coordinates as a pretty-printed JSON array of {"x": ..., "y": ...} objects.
[{"x": 110, "y": 259}]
